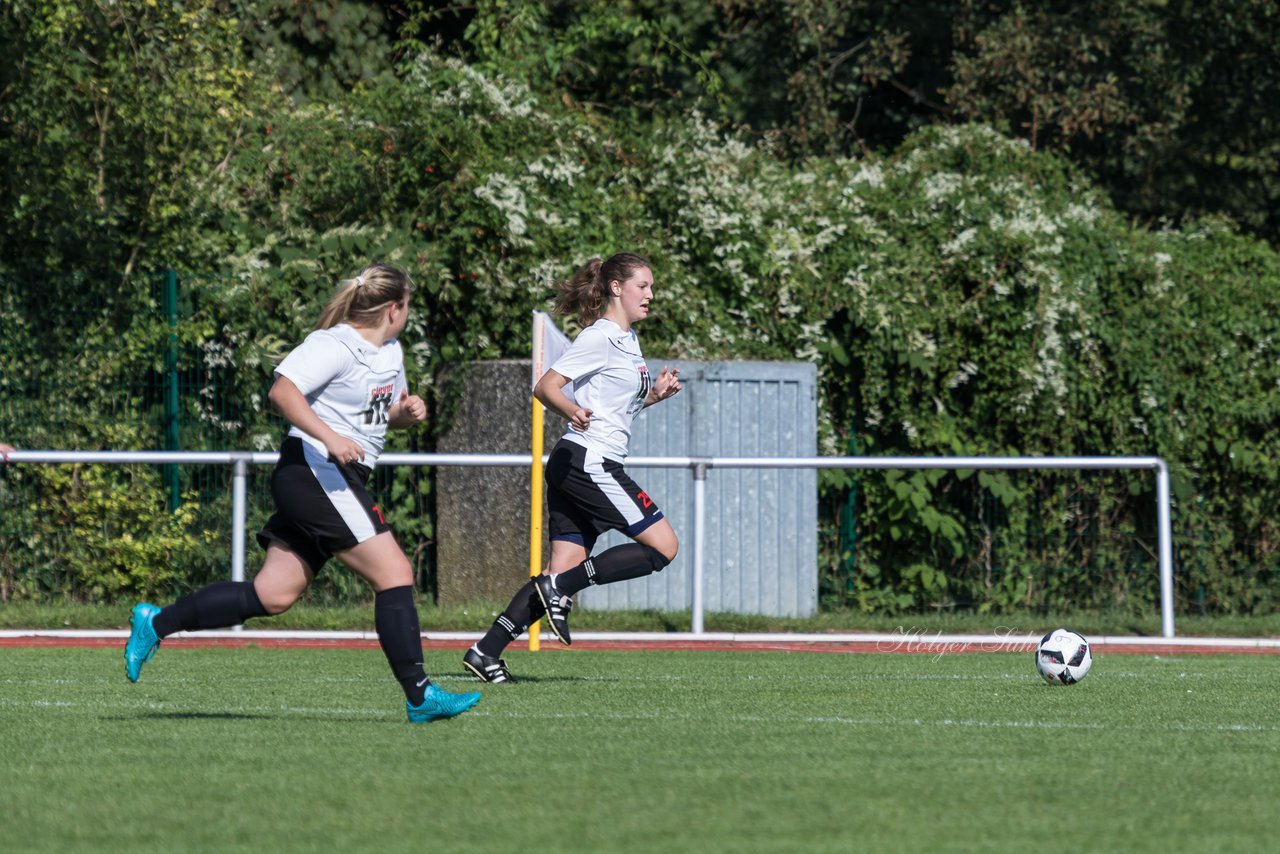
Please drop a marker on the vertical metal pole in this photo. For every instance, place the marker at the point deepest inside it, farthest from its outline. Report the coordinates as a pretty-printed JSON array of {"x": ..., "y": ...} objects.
[
  {"x": 1165, "y": 544},
  {"x": 239, "y": 477},
  {"x": 699, "y": 526},
  {"x": 535, "y": 513}
]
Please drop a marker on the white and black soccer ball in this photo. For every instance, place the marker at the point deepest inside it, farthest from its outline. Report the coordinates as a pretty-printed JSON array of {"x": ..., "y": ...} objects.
[{"x": 1063, "y": 657}]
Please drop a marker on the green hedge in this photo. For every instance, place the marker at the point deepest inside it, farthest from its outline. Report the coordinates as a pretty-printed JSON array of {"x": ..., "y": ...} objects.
[{"x": 962, "y": 295}]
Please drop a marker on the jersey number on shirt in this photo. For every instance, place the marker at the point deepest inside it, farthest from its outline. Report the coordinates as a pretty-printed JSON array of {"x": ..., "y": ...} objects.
[
  {"x": 643, "y": 393},
  {"x": 379, "y": 405}
]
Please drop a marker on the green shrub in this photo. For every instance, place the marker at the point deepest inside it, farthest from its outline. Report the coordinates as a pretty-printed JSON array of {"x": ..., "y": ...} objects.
[{"x": 961, "y": 296}]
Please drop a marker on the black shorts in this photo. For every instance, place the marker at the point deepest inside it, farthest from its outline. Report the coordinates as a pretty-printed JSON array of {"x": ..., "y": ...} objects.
[
  {"x": 589, "y": 494},
  {"x": 321, "y": 507}
]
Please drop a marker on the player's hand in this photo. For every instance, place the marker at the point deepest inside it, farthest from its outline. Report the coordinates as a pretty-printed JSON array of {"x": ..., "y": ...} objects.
[
  {"x": 581, "y": 420},
  {"x": 667, "y": 384},
  {"x": 343, "y": 450},
  {"x": 412, "y": 407}
]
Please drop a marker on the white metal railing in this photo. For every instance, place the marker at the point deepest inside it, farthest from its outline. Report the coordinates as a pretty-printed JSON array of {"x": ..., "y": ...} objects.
[{"x": 699, "y": 466}]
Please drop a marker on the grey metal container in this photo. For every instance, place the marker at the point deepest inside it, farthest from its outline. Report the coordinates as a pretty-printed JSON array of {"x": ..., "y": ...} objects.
[{"x": 761, "y": 546}]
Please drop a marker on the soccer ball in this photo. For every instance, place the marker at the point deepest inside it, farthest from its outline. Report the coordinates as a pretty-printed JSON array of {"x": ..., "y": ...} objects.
[{"x": 1063, "y": 657}]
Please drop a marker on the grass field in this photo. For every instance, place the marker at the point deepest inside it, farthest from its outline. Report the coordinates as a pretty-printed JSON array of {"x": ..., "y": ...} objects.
[{"x": 308, "y": 750}]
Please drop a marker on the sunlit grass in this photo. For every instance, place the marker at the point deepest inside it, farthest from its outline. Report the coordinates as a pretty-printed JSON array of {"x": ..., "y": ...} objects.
[{"x": 303, "y": 750}]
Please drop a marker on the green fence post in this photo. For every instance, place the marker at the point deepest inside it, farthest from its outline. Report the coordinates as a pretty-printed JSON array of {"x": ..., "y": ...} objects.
[
  {"x": 171, "y": 439},
  {"x": 849, "y": 530}
]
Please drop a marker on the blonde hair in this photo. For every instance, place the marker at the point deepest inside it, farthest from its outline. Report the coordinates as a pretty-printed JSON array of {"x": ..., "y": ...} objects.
[
  {"x": 587, "y": 292},
  {"x": 363, "y": 299}
]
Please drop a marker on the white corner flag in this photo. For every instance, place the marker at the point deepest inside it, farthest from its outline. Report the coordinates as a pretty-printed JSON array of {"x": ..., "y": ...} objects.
[{"x": 549, "y": 344}]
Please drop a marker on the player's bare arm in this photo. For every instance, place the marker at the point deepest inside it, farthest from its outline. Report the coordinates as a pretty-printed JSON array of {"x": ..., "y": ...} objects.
[{"x": 549, "y": 391}]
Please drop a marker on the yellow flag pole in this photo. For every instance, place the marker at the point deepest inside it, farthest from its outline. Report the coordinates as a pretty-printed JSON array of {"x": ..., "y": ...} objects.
[{"x": 535, "y": 516}]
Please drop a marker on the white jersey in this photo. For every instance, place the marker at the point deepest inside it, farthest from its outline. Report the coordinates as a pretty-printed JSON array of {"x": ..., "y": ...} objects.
[
  {"x": 350, "y": 384},
  {"x": 611, "y": 379}
]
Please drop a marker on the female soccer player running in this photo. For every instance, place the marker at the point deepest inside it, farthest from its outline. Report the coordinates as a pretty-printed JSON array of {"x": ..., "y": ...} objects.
[
  {"x": 588, "y": 492},
  {"x": 340, "y": 390}
]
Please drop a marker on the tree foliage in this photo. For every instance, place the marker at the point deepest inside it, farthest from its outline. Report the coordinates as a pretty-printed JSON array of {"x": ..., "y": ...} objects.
[
  {"x": 118, "y": 118},
  {"x": 1167, "y": 104},
  {"x": 966, "y": 290},
  {"x": 320, "y": 49}
]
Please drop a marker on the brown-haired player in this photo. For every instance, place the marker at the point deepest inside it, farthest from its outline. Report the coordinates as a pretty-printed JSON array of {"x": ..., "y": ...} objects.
[{"x": 588, "y": 490}]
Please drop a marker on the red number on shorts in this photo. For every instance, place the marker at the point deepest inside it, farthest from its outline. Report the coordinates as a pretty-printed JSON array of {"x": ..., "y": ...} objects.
[{"x": 379, "y": 512}]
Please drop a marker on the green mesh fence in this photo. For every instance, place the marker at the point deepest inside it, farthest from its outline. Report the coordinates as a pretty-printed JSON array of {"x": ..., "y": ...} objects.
[
  {"x": 158, "y": 363},
  {"x": 1046, "y": 540},
  {"x": 125, "y": 366}
]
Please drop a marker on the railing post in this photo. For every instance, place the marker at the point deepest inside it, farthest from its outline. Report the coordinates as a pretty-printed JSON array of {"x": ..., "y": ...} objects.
[
  {"x": 1164, "y": 539},
  {"x": 699, "y": 524},
  {"x": 239, "y": 479},
  {"x": 240, "y": 462}
]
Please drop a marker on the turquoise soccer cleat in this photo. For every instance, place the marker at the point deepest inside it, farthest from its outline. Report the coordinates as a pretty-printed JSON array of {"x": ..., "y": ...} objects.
[
  {"x": 437, "y": 704},
  {"x": 143, "y": 642}
]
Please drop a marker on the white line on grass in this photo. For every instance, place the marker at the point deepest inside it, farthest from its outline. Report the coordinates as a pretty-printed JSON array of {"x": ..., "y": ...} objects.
[
  {"x": 770, "y": 720},
  {"x": 774, "y": 720},
  {"x": 172, "y": 679},
  {"x": 772, "y": 678},
  {"x": 183, "y": 709},
  {"x": 905, "y": 638}
]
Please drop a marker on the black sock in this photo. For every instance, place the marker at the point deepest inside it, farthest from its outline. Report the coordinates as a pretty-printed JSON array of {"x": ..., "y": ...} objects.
[
  {"x": 396, "y": 617},
  {"x": 620, "y": 563},
  {"x": 227, "y": 603},
  {"x": 524, "y": 609}
]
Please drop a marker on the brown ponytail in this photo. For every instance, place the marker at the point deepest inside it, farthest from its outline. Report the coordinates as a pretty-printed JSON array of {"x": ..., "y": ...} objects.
[
  {"x": 362, "y": 300},
  {"x": 587, "y": 292}
]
